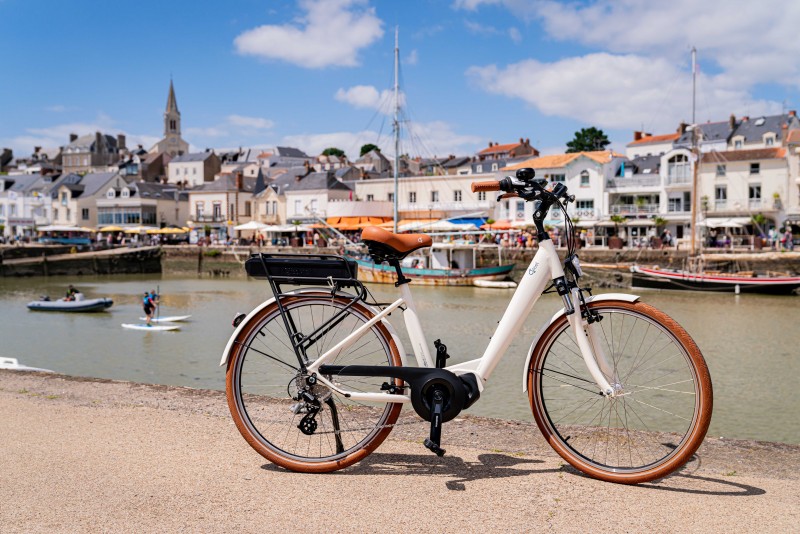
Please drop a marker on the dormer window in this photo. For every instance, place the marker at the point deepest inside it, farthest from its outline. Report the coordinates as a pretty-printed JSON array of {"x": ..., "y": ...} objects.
[
  {"x": 111, "y": 193},
  {"x": 737, "y": 144},
  {"x": 125, "y": 193}
]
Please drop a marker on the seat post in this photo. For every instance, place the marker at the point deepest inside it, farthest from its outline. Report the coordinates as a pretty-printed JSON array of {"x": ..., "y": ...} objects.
[{"x": 394, "y": 262}]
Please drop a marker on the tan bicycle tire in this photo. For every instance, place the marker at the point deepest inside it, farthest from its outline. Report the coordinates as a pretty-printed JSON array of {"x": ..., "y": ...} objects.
[
  {"x": 241, "y": 418},
  {"x": 691, "y": 440}
]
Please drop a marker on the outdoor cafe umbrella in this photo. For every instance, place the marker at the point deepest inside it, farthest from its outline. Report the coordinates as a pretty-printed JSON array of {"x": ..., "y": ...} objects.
[
  {"x": 167, "y": 230},
  {"x": 111, "y": 228},
  {"x": 252, "y": 225}
]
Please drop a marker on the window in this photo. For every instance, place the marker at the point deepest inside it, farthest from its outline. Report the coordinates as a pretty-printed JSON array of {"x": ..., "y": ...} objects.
[
  {"x": 55, "y": 212},
  {"x": 231, "y": 212},
  {"x": 770, "y": 141},
  {"x": 247, "y": 209},
  {"x": 111, "y": 193},
  {"x": 457, "y": 195},
  {"x": 754, "y": 192},
  {"x": 314, "y": 204},
  {"x": 584, "y": 178},
  {"x": 199, "y": 209},
  {"x": 297, "y": 207},
  {"x": 64, "y": 199},
  {"x": 481, "y": 195},
  {"x": 720, "y": 197},
  {"x": 520, "y": 209},
  {"x": 69, "y": 214},
  {"x": 675, "y": 204},
  {"x": 185, "y": 171},
  {"x": 412, "y": 197},
  {"x": 755, "y": 168},
  {"x": 125, "y": 193},
  {"x": 266, "y": 208},
  {"x": 557, "y": 178},
  {"x": 217, "y": 213},
  {"x": 721, "y": 169},
  {"x": 194, "y": 171},
  {"x": 584, "y": 204},
  {"x": 177, "y": 171},
  {"x": 434, "y": 196},
  {"x": 494, "y": 166},
  {"x": 12, "y": 210},
  {"x": 274, "y": 207},
  {"x": 390, "y": 197},
  {"x": 85, "y": 214},
  {"x": 737, "y": 143},
  {"x": 2, "y": 210},
  {"x": 370, "y": 198},
  {"x": 479, "y": 168}
]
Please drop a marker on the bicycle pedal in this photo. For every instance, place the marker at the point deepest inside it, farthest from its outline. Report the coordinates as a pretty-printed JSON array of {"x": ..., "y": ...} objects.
[{"x": 434, "y": 447}]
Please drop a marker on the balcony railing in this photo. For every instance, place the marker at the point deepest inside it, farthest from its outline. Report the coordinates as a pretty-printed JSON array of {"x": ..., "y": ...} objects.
[
  {"x": 638, "y": 180},
  {"x": 633, "y": 209},
  {"x": 679, "y": 179},
  {"x": 209, "y": 218}
]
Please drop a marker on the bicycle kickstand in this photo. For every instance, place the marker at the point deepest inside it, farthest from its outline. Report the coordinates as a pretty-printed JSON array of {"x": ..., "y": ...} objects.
[{"x": 436, "y": 423}]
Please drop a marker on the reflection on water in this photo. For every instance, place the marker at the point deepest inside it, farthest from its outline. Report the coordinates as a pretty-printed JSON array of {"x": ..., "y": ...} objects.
[{"x": 748, "y": 340}]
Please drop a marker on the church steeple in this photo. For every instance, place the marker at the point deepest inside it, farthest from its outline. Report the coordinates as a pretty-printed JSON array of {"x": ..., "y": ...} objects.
[{"x": 172, "y": 117}]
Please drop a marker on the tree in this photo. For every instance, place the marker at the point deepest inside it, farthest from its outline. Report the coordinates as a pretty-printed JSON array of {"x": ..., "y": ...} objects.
[
  {"x": 369, "y": 147},
  {"x": 588, "y": 140},
  {"x": 333, "y": 151}
]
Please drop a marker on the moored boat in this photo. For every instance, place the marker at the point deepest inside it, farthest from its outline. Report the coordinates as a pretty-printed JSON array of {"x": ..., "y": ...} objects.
[
  {"x": 80, "y": 304},
  {"x": 448, "y": 264},
  {"x": 705, "y": 281}
]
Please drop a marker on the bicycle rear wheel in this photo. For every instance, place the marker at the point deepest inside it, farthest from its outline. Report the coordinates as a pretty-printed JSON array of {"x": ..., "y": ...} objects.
[
  {"x": 663, "y": 407},
  {"x": 268, "y": 399}
]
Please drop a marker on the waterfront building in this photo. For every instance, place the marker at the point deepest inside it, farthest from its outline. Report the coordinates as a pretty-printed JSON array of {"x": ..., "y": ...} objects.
[
  {"x": 24, "y": 203},
  {"x": 216, "y": 207},
  {"x": 496, "y": 151},
  {"x": 123, "y": 203},
  {"x": 195, "y": 169},
  {"x": 96, "y": 152},
  {"x": 73, "y": 200},
  {"x": 172, "y": 143}
]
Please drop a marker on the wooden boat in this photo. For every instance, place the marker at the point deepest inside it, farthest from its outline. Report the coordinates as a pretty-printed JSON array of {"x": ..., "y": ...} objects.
[
  {"x": 747, "y": 282},
  {"x": 80, "y": 304},
  {"x": 447, "y": 264}
]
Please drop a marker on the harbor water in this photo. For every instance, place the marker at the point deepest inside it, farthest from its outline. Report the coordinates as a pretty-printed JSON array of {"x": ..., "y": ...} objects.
[{"x": 749, "y": 341}]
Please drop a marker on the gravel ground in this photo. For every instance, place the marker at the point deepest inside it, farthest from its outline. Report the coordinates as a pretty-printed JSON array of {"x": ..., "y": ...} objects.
[{"x": 86, "y": 455}]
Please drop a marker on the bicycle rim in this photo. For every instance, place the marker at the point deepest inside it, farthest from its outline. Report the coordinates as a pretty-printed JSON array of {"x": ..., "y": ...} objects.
[
  {"x": 265, "y": 382},
  {"x": 663, "y": 407}
]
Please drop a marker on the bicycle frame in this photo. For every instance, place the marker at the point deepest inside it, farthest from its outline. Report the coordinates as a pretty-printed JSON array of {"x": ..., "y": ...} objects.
[{"x": 545, "y": 267}]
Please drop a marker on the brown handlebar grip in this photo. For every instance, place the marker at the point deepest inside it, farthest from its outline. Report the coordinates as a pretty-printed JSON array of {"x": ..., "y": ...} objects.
[{"x": 485, "y": 186}]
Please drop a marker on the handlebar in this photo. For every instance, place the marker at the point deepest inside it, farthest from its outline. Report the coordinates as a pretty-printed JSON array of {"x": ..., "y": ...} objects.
[{"x": 485, "y": 186}]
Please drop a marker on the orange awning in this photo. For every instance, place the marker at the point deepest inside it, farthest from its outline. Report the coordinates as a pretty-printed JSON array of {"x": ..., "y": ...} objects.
[
  {"x": 497, "y": 225},
  {"x": 354, "y": 223}
]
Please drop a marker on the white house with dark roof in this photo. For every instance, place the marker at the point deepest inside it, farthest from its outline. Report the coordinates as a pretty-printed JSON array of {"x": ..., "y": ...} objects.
[
  {"x": 73, "y": 198},
  {"x": 122, "y": 203},
  {"x": 193, "y": 169},
  {"x": 24, "y": 203},
  {"x": 222, "y": 204}
]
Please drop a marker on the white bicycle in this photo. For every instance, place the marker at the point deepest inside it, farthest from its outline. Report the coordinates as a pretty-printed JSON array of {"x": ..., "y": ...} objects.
[{"x": 317, "y": 376}]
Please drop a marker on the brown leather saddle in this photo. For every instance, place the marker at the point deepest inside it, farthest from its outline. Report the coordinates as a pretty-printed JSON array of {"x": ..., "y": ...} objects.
[{"x": 386, "y": 246}]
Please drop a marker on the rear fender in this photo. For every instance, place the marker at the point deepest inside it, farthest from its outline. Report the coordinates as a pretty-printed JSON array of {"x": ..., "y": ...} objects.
[
  {"x": 227, "y": 352},
  {"x": 557, "y": 316}
]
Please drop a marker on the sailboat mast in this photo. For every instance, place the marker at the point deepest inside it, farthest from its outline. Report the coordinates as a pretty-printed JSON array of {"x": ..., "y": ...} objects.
[
  {"x": 396, "y": 122},
  {"x": 695, "y": 155}
]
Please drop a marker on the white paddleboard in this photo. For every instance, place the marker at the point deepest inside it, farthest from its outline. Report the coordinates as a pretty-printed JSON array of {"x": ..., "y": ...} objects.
[
  {"x": 152, "y": 328},
  {"x": 172, "y": 319}
]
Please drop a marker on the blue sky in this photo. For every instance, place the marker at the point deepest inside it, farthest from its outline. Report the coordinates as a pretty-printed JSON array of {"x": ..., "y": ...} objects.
[{"x": 313, "y": 73}]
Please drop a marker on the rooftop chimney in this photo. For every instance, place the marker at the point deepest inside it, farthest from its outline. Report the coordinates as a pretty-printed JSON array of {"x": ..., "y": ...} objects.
[
  {"x": 745, "y": 119},
  {"x": 239, "y": 180},
  {"x": 792, "y": 113},
  {"x": 121, "y": 142},
  {"x": 732, "y": 121},
  {"x": 72, "y": 137},
  {"x": 682, "y": 128},
  {"x": 637, "y": 136},
  {"x": 527, "y": 141},
  {"x": 521, "y": 141}
]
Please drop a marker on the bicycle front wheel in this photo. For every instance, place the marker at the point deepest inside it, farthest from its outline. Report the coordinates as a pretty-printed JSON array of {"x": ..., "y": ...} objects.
[
  {"x": 301, "y": 426},
  {"x": 662, "y": 407}
]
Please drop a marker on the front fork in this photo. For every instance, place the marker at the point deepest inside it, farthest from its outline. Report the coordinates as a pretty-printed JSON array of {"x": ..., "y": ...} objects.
[{"x": 588, "y": 334}]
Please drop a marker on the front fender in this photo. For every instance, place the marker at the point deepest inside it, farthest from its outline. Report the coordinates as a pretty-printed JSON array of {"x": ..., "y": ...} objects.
[
  {"x": 227, "y": 352},
  {"x": 597, "y": 298}
]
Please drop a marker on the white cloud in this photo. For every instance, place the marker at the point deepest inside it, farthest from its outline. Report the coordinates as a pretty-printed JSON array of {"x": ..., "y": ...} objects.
[
  {"x": 613, "y": 91},
  {"x": 314, "y": 144},
  {"x": 412, "y": 58},
  {"x": 209, "y": 131},
  {"x": 250, "y": 122},
  {"x": 515, "y": 35},
  {"x": 330, "y": 34},
  {"x": 473, "y": 5},
  {"x": 368, "y": 97}
]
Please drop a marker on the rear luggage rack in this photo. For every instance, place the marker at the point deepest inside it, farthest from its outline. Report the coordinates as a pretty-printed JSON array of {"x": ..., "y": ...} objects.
[{"x": 304, "y": 270}]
